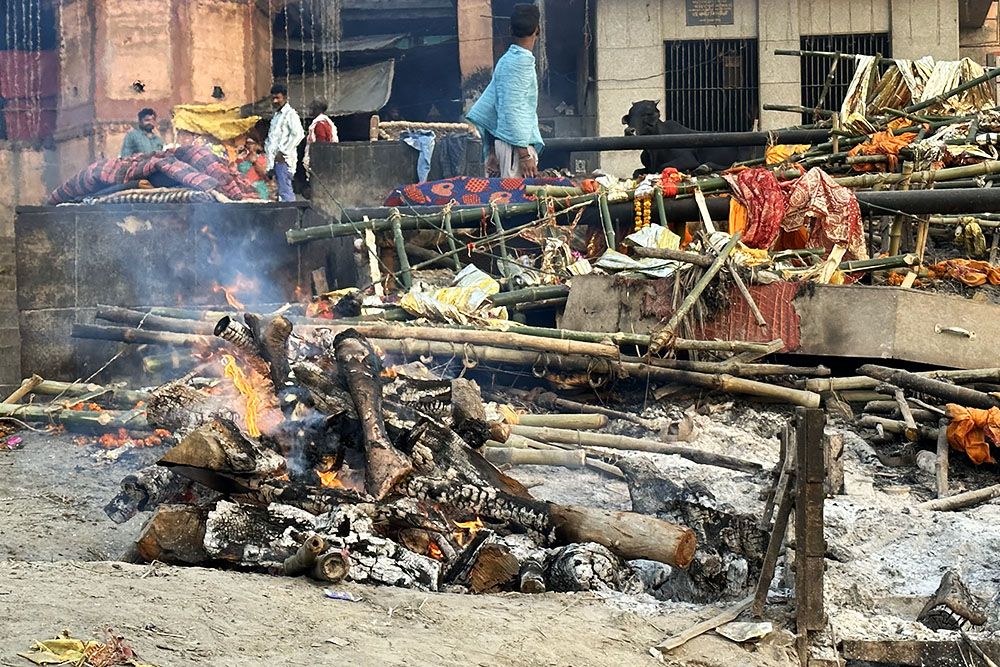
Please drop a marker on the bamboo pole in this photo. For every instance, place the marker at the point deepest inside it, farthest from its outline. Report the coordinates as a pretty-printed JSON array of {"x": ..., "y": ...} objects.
[
  {"x": 28, "y": 385},
  {"x": 551, "y": 401},
  {"x": 941, "y": 465},
  {"x": 567, "y": 458},
  {"x": 592, "y": 462},
  {"x": 529, "y": 294},
  {"x": 945, "y": 96},
  {"x": 609, "y": 227},
  {"x": 896, "y": 233},
  {"x": 143, "y": 337},
  {"x": 76, "y": 420},
  {"x": 864, "y": 382},
  {"x": 739, "y": 369},
  {"x": 151, "y": 322},
  {"x": 540, "y": 305},
  {"x": 661, "y": 210},
  {"x": 115, "y": 393},
  {"x": 699, "y": 287},
  {"x": 911, "y": 432},
  {"x": 405, "y": 274},
  {"x": 578, "y": 421},
  {"x": 450, "y": 237},
  {"x": 898, "y": 427},
  {"x": 922, "y": 177},
  {"x": 587, "y": 439},
  {"x": 962, "y": 500},
  {"x": 925, "y": 385}
]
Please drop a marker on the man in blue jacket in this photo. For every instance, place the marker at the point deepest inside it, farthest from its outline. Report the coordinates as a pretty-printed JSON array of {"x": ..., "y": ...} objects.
[{"x": 507, "y": 112}]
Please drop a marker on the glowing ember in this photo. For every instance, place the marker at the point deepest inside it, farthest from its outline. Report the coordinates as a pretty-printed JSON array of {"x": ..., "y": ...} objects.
[
  {"x": 121, "y": 438},
  {"x": 327, "y": 475},
  {"x": 247, "y": 390},
  {"x": 467, "y": 530},
  {"x": 242, "y": 284},
  {"x": 434, "y": 551}
]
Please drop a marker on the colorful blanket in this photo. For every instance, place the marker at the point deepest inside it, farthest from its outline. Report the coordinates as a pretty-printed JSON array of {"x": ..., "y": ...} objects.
[
  {"x": 193, "y": 167},
  {"x": 469, "y": 191}
]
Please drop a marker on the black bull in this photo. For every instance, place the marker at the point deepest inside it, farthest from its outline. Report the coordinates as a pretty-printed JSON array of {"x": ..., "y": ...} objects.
[{"x": 643, "y": 119}]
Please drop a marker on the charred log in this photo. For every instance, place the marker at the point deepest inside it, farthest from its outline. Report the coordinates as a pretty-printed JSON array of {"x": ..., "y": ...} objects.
[
  {"x": 146, "y": 489},
  {"x": 175, "y": 534},
  {"x": 590, "y": 567}
]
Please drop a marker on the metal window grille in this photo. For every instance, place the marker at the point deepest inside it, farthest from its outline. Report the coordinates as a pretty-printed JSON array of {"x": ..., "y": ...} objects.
[
  {"x": 712, "y": 84},
  {"x": 815, "y": 69}
]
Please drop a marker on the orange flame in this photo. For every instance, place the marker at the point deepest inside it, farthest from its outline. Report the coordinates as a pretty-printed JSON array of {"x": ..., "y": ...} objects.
[
  {"x": 241, "y": 284},
  {"x": 327, "y": 476},
  {"x": 434, "y": 551},
  {"x": 247, "y": 390},
  {"x": 467, "y": 530}
]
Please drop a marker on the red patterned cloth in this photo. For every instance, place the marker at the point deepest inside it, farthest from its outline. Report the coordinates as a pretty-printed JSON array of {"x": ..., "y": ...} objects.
[
  {"x": 468, "y": 190},
  {"x": 195, "y": 167},
  {"x": 760, "y": 193},
  {"x": 829, "y": 211}
]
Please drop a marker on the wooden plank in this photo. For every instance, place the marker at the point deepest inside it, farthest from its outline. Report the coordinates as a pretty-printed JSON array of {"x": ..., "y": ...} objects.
[
  {"x": 810, "y": 544},
  {"x": 915, "y": 652},
  {"x": 726, "y": 616}
]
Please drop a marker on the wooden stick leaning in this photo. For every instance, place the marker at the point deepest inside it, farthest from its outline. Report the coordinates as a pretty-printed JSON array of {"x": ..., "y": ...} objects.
[
  {"x": 723, "y": 617},
  {"x": 941, "y": 465},
  {"x": 27, "y": 386},
  {"x": 962, "y": 500}
]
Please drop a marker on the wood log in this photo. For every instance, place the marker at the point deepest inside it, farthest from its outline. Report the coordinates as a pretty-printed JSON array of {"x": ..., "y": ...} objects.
[
  {"x": 146, "y": 489},
  {"x": 331, "y": 567},
  {"x": 703, "y": 261},
  {"x": 28, "y": 385},
  {"x": 580, "y": 421},
  {"x": 174, "y": 535},
  {"x": 739, "y": 369},
  {"x": 891, "y": 409},
  {"x": 359, "y": 364},
  {"x": 627, "y": 534},
  {"x": 305, "y": 557},
  {"x": 221, "y": 447},
  {"x": 566, "y": 458},
  {"x": 541, "y": 304},
  {"x": 590, "y": 567},
  {"x": 925, "y": 385},
  {"x": 585, "y": 439},
  {"x": 493, "y": 568},
  {"x": 898, "y": 427},
  {"x": 962, "y": 500}
]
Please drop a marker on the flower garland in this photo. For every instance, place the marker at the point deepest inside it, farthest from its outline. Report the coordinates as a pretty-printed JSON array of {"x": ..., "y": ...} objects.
[{"x": 643, "y": 207}]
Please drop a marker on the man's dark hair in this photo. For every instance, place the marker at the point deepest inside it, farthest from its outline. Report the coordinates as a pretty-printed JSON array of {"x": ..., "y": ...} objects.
[
  {"x": 279, "y": 89},
  {"x": 319, "y": 105},
  {"x": 524, "y": 20},
  {"x": 146, "y": 112}
]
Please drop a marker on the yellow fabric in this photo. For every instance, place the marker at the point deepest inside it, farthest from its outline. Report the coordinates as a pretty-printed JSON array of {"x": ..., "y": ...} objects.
[
  {"x": 737, "y": 216},
  {"x": 972, "y": 239},
  {"x": 218, "y": 120},
  {"x": 971, "y": 430},
  {"x": 780, "y": 153},
  {"x": 69, "y": 650}
]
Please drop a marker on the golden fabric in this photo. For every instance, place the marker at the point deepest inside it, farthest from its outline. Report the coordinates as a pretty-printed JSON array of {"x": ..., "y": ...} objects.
[
  {"x": 972, "y": 430},
  {"x": 217, "y": 120}
]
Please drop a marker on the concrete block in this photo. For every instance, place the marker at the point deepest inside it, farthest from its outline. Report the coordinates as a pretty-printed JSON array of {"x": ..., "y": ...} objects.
[
  {"x": 644, "y": 24},
  {"x": 922, "y": 28},
  {"x": 46, "y": 259},
  {"x": 778, "y": 20},
  {"x": 46, "y": 346}
]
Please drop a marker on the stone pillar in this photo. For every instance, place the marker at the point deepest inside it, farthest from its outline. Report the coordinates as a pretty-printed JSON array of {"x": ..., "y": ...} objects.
[
  {"x": 924, "y": 28},
  {"x": 778, "y": 28},
  {"x": 630, "y": 58}
]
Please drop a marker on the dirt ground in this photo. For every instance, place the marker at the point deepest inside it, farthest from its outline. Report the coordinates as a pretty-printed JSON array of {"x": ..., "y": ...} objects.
[{"x": 58, "y": 572}]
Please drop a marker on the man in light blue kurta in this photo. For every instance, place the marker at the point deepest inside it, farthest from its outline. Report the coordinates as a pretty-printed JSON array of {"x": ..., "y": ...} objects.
[{"x": 506, "y": 114}]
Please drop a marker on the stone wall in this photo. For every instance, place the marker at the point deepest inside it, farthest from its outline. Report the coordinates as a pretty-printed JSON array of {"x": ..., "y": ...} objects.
[{"x": 25, "y": 170}]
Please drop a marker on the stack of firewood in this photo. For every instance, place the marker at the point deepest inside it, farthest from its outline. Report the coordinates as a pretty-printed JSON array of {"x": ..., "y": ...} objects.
[{"x": 313, "y": 459}]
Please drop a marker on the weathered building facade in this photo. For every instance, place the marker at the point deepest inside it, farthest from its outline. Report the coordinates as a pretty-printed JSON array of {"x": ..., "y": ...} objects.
[{"x": 712, "y": 63}]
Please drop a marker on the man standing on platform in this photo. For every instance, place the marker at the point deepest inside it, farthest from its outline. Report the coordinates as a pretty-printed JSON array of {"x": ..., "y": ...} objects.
[
  {"x": 321, "y": 130},
  {"x": 143, "y": 139},
  {"x": 283, "y": 139},
  {"x": 506, "y": 114}
]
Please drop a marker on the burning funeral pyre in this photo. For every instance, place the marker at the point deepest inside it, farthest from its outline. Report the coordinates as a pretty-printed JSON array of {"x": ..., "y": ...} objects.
[{"x": 307, "y": 457}]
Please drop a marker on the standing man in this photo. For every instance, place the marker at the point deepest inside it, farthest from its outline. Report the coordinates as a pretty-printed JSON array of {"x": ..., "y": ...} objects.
[
  {"x": 506, "y": 114},
  {"x": 321, "y": 129},
  {"x": 283, "y": 139},
  {"x": 143, "y": 139}
]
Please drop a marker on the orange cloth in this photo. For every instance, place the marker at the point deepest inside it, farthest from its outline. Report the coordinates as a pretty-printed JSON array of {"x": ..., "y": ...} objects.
[
  {"x": 969, "y": 271},
  {"x": 779, "y": 153},
  {"x": 884, "y": 143},
  {"x": 737, "y": 216},
  {"x": 793, "y": 240},
  {"x": 972, "y": 431}
]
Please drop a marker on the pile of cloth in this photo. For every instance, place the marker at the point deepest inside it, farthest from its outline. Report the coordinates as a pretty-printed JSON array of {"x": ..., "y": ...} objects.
[
  {"x": 191, "y": 167},
  {"x": 469, "y": 191}
]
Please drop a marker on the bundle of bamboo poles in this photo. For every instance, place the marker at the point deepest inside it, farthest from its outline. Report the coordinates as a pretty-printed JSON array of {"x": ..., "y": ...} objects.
[{"x": 542, "y": 350}]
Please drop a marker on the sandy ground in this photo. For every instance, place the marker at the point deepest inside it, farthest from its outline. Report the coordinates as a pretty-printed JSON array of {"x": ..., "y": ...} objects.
[{"x": 57, "y": 574}]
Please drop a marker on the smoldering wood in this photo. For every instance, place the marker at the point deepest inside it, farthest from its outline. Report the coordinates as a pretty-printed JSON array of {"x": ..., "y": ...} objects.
[
  {"x": 147, "y": 488},
  {"x": 731, "y": 545},
  {"x": 220, "y": 446},
  {"x": 358, "y": 366},
  {"x": 932, "y": 387},
  {"x": 115, "y": 394},
  {"x": 180, "y": 408},
  {"x": 589, "y": 567},
  {"x": 175, "y": 534}
]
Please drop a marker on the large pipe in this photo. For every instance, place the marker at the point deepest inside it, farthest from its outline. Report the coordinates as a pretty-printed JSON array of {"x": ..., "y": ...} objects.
[{"x": 690, "y": 140}]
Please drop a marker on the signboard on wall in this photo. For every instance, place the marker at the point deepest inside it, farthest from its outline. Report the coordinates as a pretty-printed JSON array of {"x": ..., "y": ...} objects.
[{"x": 709, "y": 12}]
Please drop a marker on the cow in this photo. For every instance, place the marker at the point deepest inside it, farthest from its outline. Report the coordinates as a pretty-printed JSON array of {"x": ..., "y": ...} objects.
[{"x": 643, "y": 119}]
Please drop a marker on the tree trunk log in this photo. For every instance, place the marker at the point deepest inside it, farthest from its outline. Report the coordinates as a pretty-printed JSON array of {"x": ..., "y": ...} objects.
[
  {"x": 147, "y": 321},
  {"x": 386, "y": 466},
  {"x": 962, "y": 500},
  {"x": 146, "y": 489},
  {"x": 590, "y": 567},
  {"x": 627, "y": 534}
]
